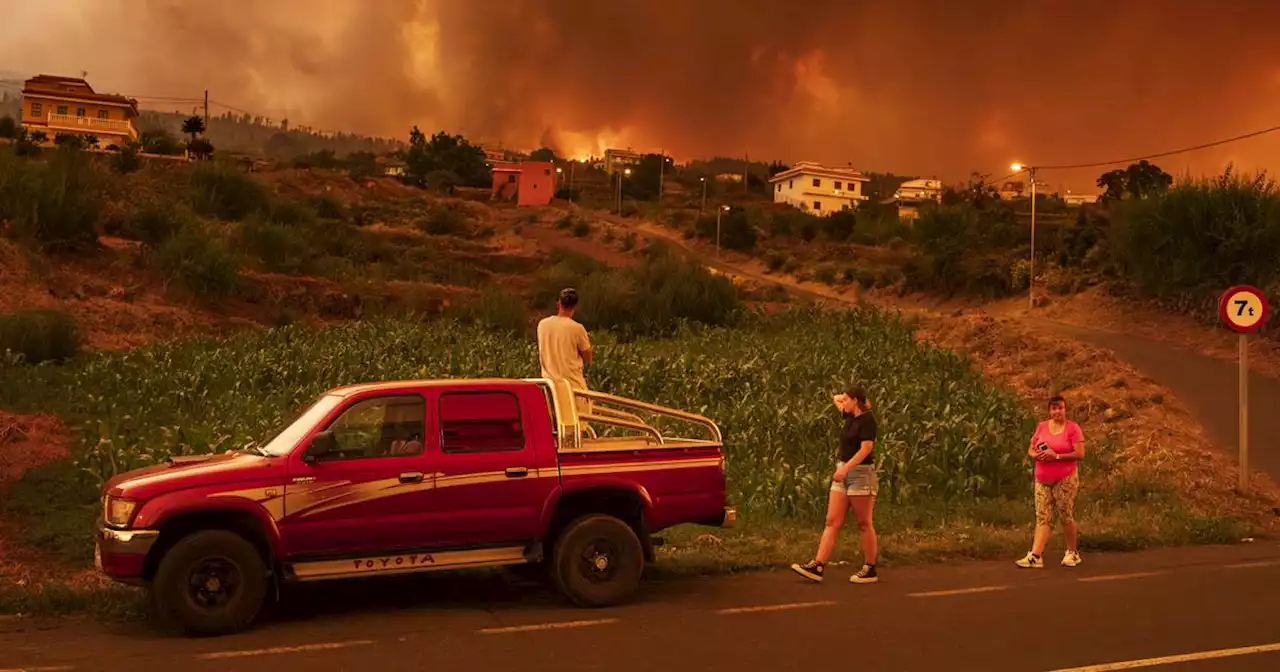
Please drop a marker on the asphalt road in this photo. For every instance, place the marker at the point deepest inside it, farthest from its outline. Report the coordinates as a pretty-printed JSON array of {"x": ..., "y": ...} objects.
[
  {"x": 1209, "y": 387},
  {"x": 976, "y": 616}
]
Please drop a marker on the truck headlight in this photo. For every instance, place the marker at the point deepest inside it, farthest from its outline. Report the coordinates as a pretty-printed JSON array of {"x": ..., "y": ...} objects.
[{"x": 119, "y": 511}]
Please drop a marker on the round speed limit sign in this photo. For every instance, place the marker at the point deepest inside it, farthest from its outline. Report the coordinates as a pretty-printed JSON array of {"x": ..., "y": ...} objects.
[{"x": 1243, "y": 309}]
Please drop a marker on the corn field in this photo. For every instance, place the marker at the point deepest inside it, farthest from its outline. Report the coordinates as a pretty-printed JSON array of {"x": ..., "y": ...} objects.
[{"x": 945, "y": 433}]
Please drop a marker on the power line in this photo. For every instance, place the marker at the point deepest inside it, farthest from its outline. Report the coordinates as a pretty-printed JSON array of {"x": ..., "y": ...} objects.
[{"x": 1215, "y": 143}]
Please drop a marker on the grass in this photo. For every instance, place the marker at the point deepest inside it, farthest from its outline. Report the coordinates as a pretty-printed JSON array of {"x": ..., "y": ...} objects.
[{"x": 39, "y": 335}]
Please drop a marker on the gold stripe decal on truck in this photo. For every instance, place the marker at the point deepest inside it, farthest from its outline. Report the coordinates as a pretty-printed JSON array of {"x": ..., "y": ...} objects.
[{"x": 309, "y": 499}]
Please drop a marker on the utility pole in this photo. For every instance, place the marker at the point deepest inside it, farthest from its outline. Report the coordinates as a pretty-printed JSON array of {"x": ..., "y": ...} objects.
[
  {"x": 746, "y": 163},
  {"x": 206, "y": 109},
  {"x": 1031, "y": 280},
  {"x": 662, "y": 168}
]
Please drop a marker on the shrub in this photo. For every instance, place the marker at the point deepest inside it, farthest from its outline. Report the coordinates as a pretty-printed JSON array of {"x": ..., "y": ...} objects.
[
  {"x": 826, "y": 274},
  {"x": 329, "y": 207},
  {"x": 445, "y": 220},
  {"x": 8, "y": 128},
  {"x": 293, "y": 214},
  {"x": 127, "y": 160},
  {"x": 39, "y": 335},
  {"x": 159, "y": 220},
  {"x": 1200, "y": 238},
  {"x": 280, "y": 248},
  {"x": 581, "y": 229},
  {"x": 55, "y": 204},
  {"x": 629, "y": 241},
  {"x": 735, "y": 230},
  {"x": 495, "y": 307},
  {"x": 775, "y": 259},
  {"x": 200, "y": 262},
  {"x": 222, "y": 191},
  {"x": 656, "y": 296}
]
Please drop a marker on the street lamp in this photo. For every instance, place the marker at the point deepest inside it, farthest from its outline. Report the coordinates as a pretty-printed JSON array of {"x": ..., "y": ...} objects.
[
  {"x": 720, "y": 211},
  {"x": 703, "y": 207},
  {"x": 1031, "y": 277}
]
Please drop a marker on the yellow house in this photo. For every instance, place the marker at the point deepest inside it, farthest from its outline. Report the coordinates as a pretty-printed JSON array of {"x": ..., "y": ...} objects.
[{"x": 66, "y": 105}]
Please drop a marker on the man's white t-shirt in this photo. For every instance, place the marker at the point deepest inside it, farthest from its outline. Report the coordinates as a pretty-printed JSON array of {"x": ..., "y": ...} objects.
[{"x": 560, "y": 340}]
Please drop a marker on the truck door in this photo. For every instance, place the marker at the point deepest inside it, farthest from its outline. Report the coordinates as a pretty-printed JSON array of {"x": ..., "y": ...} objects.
[
  {"x": 371, "y": 492},
  {"x": 495, "y": 463}
]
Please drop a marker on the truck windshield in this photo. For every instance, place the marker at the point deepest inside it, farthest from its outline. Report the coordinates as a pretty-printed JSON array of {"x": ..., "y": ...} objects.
[{"x": 289, "y": 436}]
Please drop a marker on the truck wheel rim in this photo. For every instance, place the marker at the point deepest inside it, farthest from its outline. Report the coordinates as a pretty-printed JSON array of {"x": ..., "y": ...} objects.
[
  {"x": 599, "y": 561},
  {"x": 213, "y": 582}
]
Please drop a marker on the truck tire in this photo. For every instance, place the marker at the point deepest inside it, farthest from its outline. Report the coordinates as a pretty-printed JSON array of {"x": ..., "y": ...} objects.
[
  {"x": 598, "y": 561},
  {"x": 212, "y": 582}
]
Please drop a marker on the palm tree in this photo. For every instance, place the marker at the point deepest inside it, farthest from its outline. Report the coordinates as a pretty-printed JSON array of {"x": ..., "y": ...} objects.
[{"x": 193, "y": 126}]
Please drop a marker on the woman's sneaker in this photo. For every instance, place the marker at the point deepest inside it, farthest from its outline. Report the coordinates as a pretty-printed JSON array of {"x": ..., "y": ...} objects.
[
  {"x": 811, "y": 570},
  {"x": 1031, "y": 561},
  {"x": 865, "y": 575},
  {"x": 1071, "y": 559}
]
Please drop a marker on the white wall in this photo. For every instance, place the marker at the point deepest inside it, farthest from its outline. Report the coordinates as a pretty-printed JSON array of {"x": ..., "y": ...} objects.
[{"x": 800, "y": 192}]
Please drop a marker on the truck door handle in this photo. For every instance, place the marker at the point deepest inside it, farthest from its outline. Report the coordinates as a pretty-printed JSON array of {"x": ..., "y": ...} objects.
[
  {"x": 411, "y": 477},
  {"x": 517, "y": 472}
]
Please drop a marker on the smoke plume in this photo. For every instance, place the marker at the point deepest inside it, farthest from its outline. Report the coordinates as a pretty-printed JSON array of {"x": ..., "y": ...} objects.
[{"x": 912, "y": 86}]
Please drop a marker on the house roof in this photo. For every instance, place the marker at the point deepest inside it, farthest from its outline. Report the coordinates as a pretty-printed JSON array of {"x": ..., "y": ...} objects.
[
  {"x": 811, "y": 168},
  {"x": 73, "y": 88}
]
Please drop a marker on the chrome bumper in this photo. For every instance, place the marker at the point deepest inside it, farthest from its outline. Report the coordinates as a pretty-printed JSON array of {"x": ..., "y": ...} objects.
[{"x": 111, "y": 541}]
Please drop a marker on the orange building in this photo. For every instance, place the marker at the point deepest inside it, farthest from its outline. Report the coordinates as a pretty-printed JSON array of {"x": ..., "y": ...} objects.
[
  {"x": 66, "y": 105},
  {"x": 529, "y": 182}
]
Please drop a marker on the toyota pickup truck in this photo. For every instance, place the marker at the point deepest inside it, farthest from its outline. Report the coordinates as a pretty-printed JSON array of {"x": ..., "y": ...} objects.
[{"x": 415, "y": 476}]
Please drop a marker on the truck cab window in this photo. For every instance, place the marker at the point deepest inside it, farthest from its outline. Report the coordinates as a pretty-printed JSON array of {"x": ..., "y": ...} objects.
[
  {"x": 380, "y": 427},
  {"x": 480, "y": 422}
]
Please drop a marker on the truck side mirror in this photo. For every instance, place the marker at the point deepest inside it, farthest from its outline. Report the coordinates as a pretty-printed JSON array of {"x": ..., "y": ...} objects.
[{"x": 322, "y": 445}]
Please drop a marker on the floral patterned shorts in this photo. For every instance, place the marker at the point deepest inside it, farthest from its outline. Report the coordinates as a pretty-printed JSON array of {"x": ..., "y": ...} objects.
[{"x": 1057, "y": 498}]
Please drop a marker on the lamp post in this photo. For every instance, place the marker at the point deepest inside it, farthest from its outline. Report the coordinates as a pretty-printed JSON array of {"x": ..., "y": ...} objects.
[
  {"x": 703, "y": 207},
  {"x": 1031, "y": 276},
  {"x": 719, "y": 211},
  {"x": 620, "y": 176}
]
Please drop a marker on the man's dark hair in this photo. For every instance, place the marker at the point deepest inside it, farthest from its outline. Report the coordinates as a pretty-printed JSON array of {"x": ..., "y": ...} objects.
[
  {"x": 857, "y": 393},
  {"x": 1057, "y": 399},
  {"x": 568, "y": 297}
]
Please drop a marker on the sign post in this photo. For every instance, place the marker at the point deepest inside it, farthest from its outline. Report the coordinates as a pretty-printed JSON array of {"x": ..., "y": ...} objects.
[{"x": 1244, "y": 310}]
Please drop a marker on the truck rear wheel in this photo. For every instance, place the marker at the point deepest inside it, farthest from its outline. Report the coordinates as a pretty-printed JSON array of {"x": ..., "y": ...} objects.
[
  {"x": 598, "y": 561},
  {"x": 212, "y": 582}
]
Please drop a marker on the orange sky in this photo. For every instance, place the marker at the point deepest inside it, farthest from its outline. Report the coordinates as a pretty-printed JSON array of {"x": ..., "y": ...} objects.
[{"x": 911, "y": 86}]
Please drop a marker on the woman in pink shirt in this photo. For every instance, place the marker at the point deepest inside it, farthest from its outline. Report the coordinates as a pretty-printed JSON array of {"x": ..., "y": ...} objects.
[{"x": 1057, "y": 446}]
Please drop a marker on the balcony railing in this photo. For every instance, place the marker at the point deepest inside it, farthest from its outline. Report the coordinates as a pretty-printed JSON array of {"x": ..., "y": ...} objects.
[{"x": 71, "y": 122}]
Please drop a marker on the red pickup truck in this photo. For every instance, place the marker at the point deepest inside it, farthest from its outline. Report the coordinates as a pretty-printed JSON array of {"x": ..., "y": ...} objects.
[{"x": 414, "y": 476}]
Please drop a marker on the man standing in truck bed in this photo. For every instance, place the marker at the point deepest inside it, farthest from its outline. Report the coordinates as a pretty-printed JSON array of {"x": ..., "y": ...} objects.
[{"x": 564, "y": 347}]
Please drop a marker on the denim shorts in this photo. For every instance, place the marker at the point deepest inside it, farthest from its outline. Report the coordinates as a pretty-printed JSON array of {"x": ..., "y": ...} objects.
[{"x": 861, "y": 481}]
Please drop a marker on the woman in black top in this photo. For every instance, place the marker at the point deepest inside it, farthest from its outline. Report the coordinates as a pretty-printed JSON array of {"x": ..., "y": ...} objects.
[{"x": 853, "y": 485}]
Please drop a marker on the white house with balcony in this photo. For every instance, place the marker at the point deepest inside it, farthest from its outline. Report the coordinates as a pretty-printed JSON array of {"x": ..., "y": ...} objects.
[
  {"x": 65, "y": 105},
  {"x": 818, "y": 189}
]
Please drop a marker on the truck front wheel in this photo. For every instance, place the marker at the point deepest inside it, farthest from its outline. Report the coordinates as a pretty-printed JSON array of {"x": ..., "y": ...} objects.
[
  {"x": 598, "y": 561},
  {"x": 212, "y": 582}
]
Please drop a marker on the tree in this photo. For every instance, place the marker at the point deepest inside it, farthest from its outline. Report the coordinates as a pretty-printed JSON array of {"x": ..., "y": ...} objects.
[
  {"x": 1140, "y": 180},
  {"x": 8, "y": 127},
  {"x": 543, "y": 154},
  {"x": 200, "y": 148},
  {"x": 39, "y": 137},
  {"x": 193, "y": 126},
  {"x": 159, "y": 141},
  {"x": 447, "y": 153},
  {"x": 92, "y": 141}
]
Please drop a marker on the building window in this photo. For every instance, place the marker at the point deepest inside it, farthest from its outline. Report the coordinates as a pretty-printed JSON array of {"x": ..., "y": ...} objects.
[
  {"x": 380, "y": 427},
  {"x": 817, "y": 205},
  {"x": 103, "y": 114},
  {"x": 817, "y": 182},
  {"x": 779, "y": 187},
  {"x": 480, "y": 422},
  {"x": 791, "y": 184},
  {"x": 79, "y": 111},
  {"x": 546, "y": 171},
  {"x": 62, "y": 109},
  {"x": 37, "y": 109},
  {"x": 511, "y": 179},
  {"x": 838, "y": 186}
]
